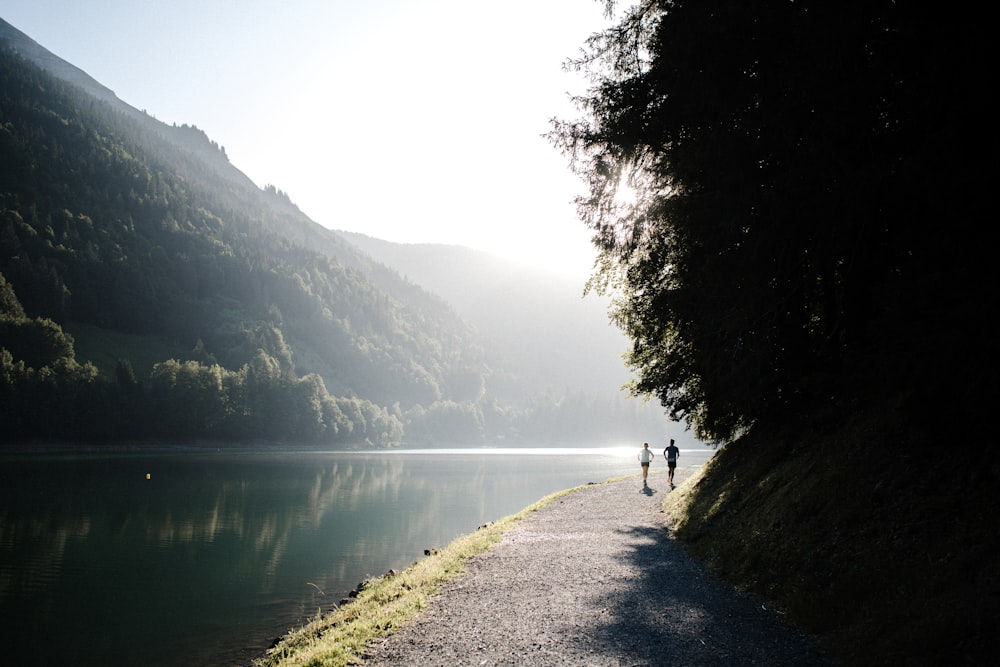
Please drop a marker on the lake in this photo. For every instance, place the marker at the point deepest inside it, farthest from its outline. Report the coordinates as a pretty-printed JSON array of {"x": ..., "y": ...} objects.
[{"x": 204, "y": 557}]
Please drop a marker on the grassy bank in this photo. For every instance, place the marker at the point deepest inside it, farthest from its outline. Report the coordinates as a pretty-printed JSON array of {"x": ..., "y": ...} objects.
[
  {"x": 338, "y": 638},
  {"x": 881, "y": 542}
]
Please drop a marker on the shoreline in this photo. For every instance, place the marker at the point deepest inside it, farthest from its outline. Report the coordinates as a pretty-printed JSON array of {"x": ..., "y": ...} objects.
[
  {"x": 455, "y": 595},
  {"x": 348, "y": 629}
]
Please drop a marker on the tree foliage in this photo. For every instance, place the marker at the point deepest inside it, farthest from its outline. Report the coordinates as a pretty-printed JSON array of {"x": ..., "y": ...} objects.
[
  {"x": 47, "y": 394},
  {"x": 784, "y": 201}
]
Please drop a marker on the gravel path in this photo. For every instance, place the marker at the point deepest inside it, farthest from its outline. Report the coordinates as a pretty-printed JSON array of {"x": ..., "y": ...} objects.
[{"x": 594, "y": 579}]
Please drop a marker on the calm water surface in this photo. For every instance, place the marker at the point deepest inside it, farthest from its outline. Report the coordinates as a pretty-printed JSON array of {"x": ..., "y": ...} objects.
[{"x": 214, "y": 555}]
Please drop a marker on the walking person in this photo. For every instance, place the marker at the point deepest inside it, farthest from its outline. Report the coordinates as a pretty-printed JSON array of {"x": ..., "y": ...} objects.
[
  {"x": 645, "y": 457},
  {"x": 670, "y": 454}
]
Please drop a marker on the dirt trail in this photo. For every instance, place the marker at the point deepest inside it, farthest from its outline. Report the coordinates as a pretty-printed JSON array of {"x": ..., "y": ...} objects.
[{"x": 595, "y": 579}]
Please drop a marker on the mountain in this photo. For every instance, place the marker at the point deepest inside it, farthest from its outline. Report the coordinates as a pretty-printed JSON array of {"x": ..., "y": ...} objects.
[
  {"x": 150, "y": 290},
  {"x": 573, "y": 345}
]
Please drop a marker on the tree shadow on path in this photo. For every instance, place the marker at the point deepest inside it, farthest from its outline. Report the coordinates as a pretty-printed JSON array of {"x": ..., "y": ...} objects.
[{"x": 671, "y": 611}]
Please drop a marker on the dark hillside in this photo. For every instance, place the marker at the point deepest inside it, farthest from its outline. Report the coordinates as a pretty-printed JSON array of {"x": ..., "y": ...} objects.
[{"x": 874, "y": 535}]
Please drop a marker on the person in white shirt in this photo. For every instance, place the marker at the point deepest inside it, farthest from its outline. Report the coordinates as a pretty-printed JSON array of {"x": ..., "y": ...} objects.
[{"x": 645, "y": 457}]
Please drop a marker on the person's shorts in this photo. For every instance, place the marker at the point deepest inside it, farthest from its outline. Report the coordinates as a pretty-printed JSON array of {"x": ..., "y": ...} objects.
[
  {"x": 671, "y": 464},
  {"x": 645, "y": 465}
]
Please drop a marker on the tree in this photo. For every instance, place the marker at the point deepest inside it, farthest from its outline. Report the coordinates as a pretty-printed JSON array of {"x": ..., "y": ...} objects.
[
  {"x": 125, "y": 376},
  {"x": 39, "y": 342},
  {"x": 9, "y": 305},
  {"x": 758, "y": 180}
]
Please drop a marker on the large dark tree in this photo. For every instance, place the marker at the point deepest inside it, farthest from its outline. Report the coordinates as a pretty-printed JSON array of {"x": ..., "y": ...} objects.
[{"x": 786, "y": 196}]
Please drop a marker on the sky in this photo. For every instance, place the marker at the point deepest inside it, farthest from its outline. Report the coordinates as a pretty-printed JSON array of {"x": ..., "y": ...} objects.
[{"x": 409, "y": 120}]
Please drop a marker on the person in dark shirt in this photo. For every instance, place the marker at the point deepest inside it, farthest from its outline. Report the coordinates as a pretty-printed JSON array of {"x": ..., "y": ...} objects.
[{"x": 670, "y": 454}]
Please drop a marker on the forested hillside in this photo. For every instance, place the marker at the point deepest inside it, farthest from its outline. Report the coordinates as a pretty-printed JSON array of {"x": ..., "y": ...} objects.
[
  {"x": 106, "y": 228},
  {"x": 151, "y": 291},
  {"x": 510, "y": 304}
]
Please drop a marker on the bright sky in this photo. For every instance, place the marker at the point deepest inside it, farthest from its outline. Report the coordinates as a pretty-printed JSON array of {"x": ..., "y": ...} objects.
[{"x": 408, "y": 120}]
